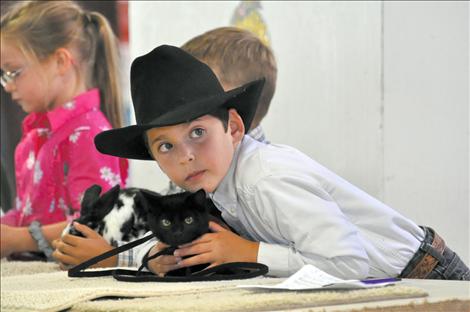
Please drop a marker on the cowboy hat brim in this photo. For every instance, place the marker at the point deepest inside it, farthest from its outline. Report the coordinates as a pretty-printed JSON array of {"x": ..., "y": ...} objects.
[{"x": 128, "y": 142}]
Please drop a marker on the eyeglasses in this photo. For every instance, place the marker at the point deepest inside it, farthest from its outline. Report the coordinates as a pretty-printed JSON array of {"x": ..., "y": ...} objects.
[{"x": 9, "y": 76}]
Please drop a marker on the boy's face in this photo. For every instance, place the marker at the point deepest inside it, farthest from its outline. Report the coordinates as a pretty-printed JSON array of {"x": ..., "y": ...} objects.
[{"x": 197, "y": 154}]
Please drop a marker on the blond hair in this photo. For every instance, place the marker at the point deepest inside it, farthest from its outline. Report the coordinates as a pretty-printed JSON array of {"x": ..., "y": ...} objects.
[
  {"x": 238, "y": 57},
  {"x": 39, "y": 28}
]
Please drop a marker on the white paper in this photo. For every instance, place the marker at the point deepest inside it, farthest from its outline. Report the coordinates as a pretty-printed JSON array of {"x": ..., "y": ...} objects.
[{"x": 310, "y": 277}]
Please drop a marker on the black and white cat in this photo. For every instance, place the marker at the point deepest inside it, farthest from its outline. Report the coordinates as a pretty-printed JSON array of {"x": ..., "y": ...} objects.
[
  {"x": 117, "y": 215},
  {"x": 127, "y": 214}
]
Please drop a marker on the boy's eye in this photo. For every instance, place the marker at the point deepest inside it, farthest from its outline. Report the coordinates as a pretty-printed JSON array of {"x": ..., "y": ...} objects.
[
  {"x": 197, "y": 133},
  {"x": 166, "y": 222},
  {"x": 164, "y": 147},
  {"x": 188, "y": 220}
]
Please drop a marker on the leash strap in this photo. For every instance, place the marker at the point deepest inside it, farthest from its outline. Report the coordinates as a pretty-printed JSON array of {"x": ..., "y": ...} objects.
[
  {"x": 77, "y": 271},
  {"x": 226, "y": 271},
  {"x": 167, "y": 251}
]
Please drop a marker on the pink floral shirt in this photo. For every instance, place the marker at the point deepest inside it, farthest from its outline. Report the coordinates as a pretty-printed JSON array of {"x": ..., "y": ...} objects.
[{"x": 56, "y": 161}]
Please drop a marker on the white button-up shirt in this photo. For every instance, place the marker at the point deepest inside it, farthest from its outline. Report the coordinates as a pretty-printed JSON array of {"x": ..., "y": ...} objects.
[{"x": 302, "y": 213}]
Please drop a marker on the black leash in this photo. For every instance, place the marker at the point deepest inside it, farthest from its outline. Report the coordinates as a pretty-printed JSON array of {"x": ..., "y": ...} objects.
[
  {"x": 226, "y": 271},
  {"x": 78, "y": 270}
]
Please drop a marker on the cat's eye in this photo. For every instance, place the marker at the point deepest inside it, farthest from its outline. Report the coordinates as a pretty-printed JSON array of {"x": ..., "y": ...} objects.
[
  {"x": 188, "y": 220},
  {"x": 166, "y": 222},
  {"x": 197, "y": 133}
]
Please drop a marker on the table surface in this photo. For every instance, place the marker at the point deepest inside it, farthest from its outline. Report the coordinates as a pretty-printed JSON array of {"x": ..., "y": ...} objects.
[{"x": 438, "y": 290}]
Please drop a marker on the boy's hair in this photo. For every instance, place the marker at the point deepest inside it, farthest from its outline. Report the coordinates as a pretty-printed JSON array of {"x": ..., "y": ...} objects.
[
  {"x": 237, "y": 56},
  {"x": 39, "y": 28}
]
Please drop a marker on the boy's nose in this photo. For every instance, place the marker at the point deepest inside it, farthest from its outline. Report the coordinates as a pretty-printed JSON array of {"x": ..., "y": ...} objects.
[{"x": 186, "y": 155}]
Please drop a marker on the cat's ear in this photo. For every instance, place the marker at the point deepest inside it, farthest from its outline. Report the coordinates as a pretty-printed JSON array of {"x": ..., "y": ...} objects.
[
  {"x": 148, "y": 200},
  {"x": 199, "y": 198},
  {"x": 90, "y": 197},
  {"x": 106, "y": 202}
]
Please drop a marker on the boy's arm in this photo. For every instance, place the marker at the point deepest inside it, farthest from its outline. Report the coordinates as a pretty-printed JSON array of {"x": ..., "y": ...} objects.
[
  {"x": 218, "y": 247},
  {"x": 302, "y": 224},
  {"x": 306, "y": 226},
  {"x": 72, "y": 250}
]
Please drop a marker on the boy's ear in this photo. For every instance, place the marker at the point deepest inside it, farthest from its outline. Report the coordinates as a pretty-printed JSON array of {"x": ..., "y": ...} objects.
[{"x": 235, "y": 126}]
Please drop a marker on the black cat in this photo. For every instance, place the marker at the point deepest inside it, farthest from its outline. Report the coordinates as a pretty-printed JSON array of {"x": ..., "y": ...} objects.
[{"x": 179, "y": 219}]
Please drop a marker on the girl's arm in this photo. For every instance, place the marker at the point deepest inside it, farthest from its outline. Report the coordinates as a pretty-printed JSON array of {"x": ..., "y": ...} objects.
[
  {"x": 87, "y": 167},
  {"x": 18, "y": 239}
]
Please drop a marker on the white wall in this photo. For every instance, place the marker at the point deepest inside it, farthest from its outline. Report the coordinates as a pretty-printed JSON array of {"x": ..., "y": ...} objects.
[
  {"x": 377, "y": 92},
  {"x": 426, "y": 119}
]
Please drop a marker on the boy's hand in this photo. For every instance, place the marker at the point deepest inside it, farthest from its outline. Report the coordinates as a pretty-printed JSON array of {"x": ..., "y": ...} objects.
[
  {"x": 162, "y": 264},
  {"x": 73, "y": 250},
  {"x": 221, "y": 246}
]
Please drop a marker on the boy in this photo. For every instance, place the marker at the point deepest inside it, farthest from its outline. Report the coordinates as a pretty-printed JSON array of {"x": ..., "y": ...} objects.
[
  {"x": 288, "y": 209},
  {"x": 236, "y": 56}
]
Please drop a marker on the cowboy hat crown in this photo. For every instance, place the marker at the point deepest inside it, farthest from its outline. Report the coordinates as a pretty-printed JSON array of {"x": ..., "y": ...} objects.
[{"x": 169, "y": 87}]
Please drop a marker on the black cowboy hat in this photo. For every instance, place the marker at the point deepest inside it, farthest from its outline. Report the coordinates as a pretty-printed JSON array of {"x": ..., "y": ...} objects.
[{"x": 170, "y": 87}]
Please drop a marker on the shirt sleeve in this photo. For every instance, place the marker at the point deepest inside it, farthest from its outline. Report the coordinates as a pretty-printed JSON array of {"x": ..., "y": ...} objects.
[
  {"x": 10, "y": 218},
  {"x": 85, "y": 166},
  {"x": 127, "y": 257},
  {"x": 141, "y": 250},
  {"x": 304, "y": 226}
]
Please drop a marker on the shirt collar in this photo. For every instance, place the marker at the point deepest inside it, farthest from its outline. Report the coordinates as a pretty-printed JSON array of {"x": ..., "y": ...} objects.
[
  {"x": 87, "y": 101},
  {"x": 33, "y": 121},
  {"x": 225, "y": 194},
  {"x": 258, "y": 134}
]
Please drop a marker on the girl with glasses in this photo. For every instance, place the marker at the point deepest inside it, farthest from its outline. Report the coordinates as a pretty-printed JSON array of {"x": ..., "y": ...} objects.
[{"x": 60, "y": 64}]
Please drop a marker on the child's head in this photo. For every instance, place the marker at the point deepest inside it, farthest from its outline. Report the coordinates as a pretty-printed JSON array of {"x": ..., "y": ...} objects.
[
  {"x": 197, "y": 154},
  {"x": 51, "y": 50},
  {"x": 237, "y": 56},
  {"x": 185, "y": 119}
]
